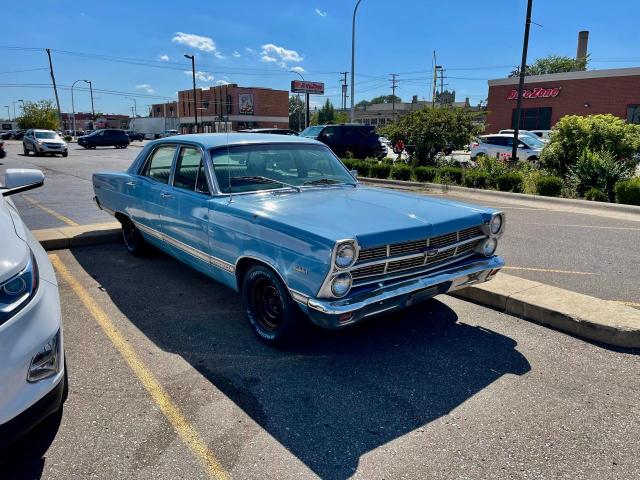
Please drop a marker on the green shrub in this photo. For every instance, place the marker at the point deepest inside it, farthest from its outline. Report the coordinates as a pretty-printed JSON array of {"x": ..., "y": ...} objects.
[
  {"x": 596, "y": 195},
  {"x": 349, "y": 163},
  {"x": 549, "y": 185},
  {"x": 380, "y": 170},
  {"x": 363, "y": 168},
  {"x": 475, "y": 179},
  {"x": 628, "y": 191},
  {"x": 573, "y": 135},
  {"x": 425, "y": 174},
  {"x": 599, "y": 170},
  {"x": 509, "y": 182},
  {"x": 401, "y": 171},
  {"x": 453, "y": 174},
  {"x": 68, "y": 138}
]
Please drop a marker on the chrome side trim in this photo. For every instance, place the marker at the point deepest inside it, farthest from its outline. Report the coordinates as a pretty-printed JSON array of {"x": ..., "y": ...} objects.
[
  {"x": 194, "y": 252},
  {"x": 299, "y": 297}
]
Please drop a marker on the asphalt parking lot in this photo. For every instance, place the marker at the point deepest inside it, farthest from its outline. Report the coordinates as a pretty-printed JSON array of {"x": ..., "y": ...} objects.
[{"x": 168, "y": 381}]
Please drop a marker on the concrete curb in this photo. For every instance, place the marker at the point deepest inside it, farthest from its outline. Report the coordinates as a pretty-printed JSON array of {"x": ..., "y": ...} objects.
[
  {"x": 67, "y": 237},
  {"x": 587, "y": 317},
  {"x": 608, "y": 322},
  {"x": 616, "y": 207}
]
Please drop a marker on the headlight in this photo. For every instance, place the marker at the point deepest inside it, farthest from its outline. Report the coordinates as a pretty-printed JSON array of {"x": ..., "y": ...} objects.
[
  {"x": 46, "y": 362},
  {"x": 16, "y": 292},
  {"x": 341, "y": 284},
  {"x": 488, "y": 247},
  {"x": 345, "y": 255},
  {"x": 496, "y": 224}
]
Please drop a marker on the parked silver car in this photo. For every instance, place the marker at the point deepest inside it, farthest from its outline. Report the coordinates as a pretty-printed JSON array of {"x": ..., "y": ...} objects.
[{"x": 43, "y": 142}]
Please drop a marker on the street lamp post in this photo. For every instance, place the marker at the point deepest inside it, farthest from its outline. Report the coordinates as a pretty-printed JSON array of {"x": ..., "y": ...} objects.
[
  {"x": 195, "y": 102},
  {"x": 523, "y": 67},
  {"x": 352, "y": 115},
  {"x": 8, "y": 112},
  {"x": 306, "y": 104},
  {"x": 73, "y": 107},
  {"x": 93, "y": 111}
]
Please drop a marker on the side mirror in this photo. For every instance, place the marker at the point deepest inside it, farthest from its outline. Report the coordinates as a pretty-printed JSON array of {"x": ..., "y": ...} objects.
[
  {"x": 18, "y": 180},
  {"x": 354, "y": 173}
]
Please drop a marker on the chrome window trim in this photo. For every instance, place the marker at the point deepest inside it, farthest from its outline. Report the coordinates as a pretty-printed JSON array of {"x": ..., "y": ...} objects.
[
  {"x": 173, "y": 163},
  {"x": 182, "y": 146}
]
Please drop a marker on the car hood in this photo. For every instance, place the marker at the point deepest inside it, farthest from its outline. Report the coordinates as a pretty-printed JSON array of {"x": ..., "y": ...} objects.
[
  {"x": 374, "y": 216},
  {"x": 51, "y": 140},
  {"x": 14, "y": 253}
]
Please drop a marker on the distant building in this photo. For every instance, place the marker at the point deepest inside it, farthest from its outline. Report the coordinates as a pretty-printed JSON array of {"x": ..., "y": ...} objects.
[
  {"x": 84, "y": 121},
  {"x": 164, "y": 110},
  {"x": 113, "y": 121},
  {"x": 379, "y": 114},
  {"x": 231, "y": 106}
]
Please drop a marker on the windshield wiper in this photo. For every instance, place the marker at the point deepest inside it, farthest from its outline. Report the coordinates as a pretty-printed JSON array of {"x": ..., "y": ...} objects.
[
  {"x": 260, "y": 179},
  {"x": 325, "y": 181}
]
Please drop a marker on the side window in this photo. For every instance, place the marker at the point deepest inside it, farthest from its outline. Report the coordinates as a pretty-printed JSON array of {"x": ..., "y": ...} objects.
[
  {"x": 190, "y": 173},
  {"x": 158, "y": 166},
  {"x": 331, "y": 133}
]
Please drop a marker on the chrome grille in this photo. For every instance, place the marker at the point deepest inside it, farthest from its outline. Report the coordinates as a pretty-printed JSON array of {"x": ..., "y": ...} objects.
[
  {"x": 405, "y": 264},
  {"x": 368, "y": 271},
  {"x": 468, "y": 233},
  {"x": 443, "y": 240},
  {"x": 367, "y": 254},
  {"x": 407, "y": 247}
]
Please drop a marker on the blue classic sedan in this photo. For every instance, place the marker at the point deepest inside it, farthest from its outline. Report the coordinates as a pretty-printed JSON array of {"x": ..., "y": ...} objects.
[{"x": 282, "y": 220}]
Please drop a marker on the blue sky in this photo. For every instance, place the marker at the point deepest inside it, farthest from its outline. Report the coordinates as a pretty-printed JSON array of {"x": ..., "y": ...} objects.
[{"x": 254, "y": 43}]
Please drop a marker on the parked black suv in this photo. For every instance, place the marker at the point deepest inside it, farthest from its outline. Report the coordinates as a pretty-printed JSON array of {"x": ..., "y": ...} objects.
[
  {"x": 105, "y": 138},
  {"x": 360, "y": 140},
  {"x": 133, "y": 135}
]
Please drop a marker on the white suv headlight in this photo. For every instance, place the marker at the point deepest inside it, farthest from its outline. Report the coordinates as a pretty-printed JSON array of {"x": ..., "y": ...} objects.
[
  {"x": 18, "y": 290},
  {"x": 46, "y": 362}
]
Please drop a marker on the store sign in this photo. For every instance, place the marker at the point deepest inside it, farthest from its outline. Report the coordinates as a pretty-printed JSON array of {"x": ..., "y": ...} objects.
[
  {"x": 314, "y": 88},
  {"x": 538, "y": 92}
]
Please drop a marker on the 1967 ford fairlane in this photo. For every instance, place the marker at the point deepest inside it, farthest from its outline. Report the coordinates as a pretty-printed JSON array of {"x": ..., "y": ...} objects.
[{"x": 281, "y": 220}]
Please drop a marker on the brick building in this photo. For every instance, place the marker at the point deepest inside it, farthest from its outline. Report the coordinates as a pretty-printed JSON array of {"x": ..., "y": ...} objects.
[
  {"x": 168, "y": 110},
  {"x": 547, "y": 98},
  {"x": 84, "y": 121},
  {"x": 241, "y": 107}
]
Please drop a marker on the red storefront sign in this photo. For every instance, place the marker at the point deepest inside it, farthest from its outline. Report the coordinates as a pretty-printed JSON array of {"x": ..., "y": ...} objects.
[
  {"x": 537, "y": 92},
  {"x": 298, "y": 86}
]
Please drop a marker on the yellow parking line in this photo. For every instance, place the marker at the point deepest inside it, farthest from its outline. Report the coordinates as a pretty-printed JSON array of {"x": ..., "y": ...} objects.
[
  {"x": 160, "y": 396},
  {"x": 584, "y": 226},
  {"x": 51, "y": 212},
  {"x": 549, "y": 270},
  {"x": 628, "y": 304}
]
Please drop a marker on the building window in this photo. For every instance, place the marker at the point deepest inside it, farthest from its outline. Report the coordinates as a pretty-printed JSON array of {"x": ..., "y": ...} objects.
[
  {"x": 205, "y": 105},
  {"x": 533, "y": 118},
  {"x": 633, "y": 114}
]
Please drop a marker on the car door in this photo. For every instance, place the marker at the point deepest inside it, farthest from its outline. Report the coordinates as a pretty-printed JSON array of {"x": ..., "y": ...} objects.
[
  {"x": 149, "y": 189},
  {"x": 184, "y": 210},
  {"x": 332, "y": 136}
]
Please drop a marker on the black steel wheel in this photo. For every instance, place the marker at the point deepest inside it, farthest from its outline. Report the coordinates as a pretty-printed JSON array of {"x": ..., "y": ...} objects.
[{"x": 273, "y": 314}]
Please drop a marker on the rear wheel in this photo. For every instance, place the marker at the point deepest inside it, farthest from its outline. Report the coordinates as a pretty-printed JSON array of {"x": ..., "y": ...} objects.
[
  {"x": 273, "y": 314},
  {"x": 132, "y": 237},
  {"x": 25, "y": 150}
]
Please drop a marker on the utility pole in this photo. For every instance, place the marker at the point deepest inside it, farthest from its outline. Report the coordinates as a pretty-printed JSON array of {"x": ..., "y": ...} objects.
[
  {"x": 352, "y": 116},
  {"x": 195, "y": 102},
  {"x": 523, "y": 67},
  {"x": 55, "y": 87},
  {"x": 441, "y": 82},
  {"x": 93, "y": 111},
  {"x": 8, "y": 112},
  {"x": 394, "y": 85}
]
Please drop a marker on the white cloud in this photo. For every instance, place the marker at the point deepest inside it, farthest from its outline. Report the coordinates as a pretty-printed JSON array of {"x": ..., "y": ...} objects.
[
  {"x": 297, "y": 69},
  {"x": 236, "y": 54},
  {"x": 250, "y": 50},
  {"x": 145, "y": 87},
  {"x": 219, "y": 55},
  {"x": 320, "y": 12},
  {"x": 201, "y": 76},
  {"x": 268, "y": 59},
  {"x": 271, "y": 53},
  {"x": 222, "y": 82},
  {"x": 163, "y": 58},
  {"x": 206, "y": 44}
]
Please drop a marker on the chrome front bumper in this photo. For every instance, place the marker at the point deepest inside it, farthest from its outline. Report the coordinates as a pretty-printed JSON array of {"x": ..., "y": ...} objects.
[{"x": 330, "y": 313}]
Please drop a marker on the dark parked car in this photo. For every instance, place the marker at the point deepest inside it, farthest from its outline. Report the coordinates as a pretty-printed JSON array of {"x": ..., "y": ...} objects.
[
  {"x": 275, "y": 131},
  {"x": 17, "y": 134},
  {"x": 360, "y": 140},
  {"x": 109, "y": 137},
  {"x": 3, "y": 152},
  {"x": 133, "y": 135}
]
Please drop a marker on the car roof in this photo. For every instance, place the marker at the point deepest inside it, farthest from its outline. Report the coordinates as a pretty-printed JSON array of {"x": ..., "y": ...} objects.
[
  {"x": 212, "y": 140},
  {"x": 42, "y": 130},
  {"x": 503, "y": 135}
]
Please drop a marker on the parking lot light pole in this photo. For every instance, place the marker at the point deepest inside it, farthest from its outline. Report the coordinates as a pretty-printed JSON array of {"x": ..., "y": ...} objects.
[
  {"x": 93, "y": 111},
  {"x": 8, "y": 112},
  {"x": 73, "y": 107},
  {"x": 352, "y": 115},
  {"x": 195, "y": 103},
  {"x": 523, "y": 68}
]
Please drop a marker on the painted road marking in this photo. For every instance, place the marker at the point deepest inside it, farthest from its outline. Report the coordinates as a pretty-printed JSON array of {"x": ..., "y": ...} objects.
[
  {"x": 160, "y": 396},
  {"x": 584, "y": 226},
  {"x": 51, "y": 212},
  {"x": 628, "y": 304},
  {"x": 549, "y": 270}
]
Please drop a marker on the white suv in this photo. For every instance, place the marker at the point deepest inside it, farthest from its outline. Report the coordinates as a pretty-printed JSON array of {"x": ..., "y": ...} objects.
[
  {"x": 43, "y": 141},
  {"x": 500, "y": 146},
  {"x": 33, "y": 378}
]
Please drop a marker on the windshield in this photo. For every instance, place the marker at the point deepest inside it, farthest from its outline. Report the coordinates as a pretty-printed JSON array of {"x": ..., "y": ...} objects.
[
  {"x": 46, "y": 135},
  {"x": 250, "y": 168},
  {"x": 312, "y": 131},
  {"x": 532, "y": 141}
]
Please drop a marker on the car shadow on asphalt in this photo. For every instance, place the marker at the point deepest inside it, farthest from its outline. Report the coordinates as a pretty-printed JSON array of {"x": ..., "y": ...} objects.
[{"x": 328, "y": 401}]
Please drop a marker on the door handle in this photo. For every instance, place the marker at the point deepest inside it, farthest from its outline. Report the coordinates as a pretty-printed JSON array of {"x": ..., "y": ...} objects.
[
  {"x": 131, "y": 184},
  {"x": 166, "y": 195}
]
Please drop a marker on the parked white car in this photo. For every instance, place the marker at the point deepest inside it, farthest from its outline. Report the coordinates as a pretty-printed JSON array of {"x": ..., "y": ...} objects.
[
  {"x": 33, "y": 379},
  {"x": 544, "y": 135},
  {"x": 43, "y": 142},
  {"x": 500, "y": 146}
]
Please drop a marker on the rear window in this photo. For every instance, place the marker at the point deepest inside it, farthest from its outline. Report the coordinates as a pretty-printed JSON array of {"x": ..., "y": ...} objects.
[{"x": 312, "y": 131}]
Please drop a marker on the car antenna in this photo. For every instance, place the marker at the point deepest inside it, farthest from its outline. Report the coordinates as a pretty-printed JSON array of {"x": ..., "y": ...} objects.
[{"x": 226, "y": 128}]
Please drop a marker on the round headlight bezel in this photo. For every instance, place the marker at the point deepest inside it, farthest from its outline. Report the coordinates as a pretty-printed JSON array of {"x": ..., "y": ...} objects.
[
  {"x": 341, "y": 276},
  {"x": 493, "y": 242},
  {"x": 496, "y": 219},
  {"x": 342, "y": 247}
]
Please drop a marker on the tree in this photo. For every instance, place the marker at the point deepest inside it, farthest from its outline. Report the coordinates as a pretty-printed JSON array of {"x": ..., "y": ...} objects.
[
  {"x": 385, "y": 99},
  {"x": 427, "y": 131},
  {"x": 296, "y": 113},
  {"x": 42, "y": 114},
  {"x": 328, "y": 115},
  {"x": 553, "y": 64}
]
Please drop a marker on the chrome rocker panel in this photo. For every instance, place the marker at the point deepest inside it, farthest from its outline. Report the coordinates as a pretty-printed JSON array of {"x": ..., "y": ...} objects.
[{"x": 334, "y": 314}]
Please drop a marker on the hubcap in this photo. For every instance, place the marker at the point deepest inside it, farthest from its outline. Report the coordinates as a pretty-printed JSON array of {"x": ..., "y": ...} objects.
[{"x": 268, "y": 304}]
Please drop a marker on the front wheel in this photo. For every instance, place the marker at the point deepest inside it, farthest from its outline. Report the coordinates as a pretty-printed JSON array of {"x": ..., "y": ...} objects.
[
  {"x": 65, "y": 154},
  {"x": 133, "y": 240},
  {"x": 273, "y": 314},
  {"x": 25, "y": 150}
]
